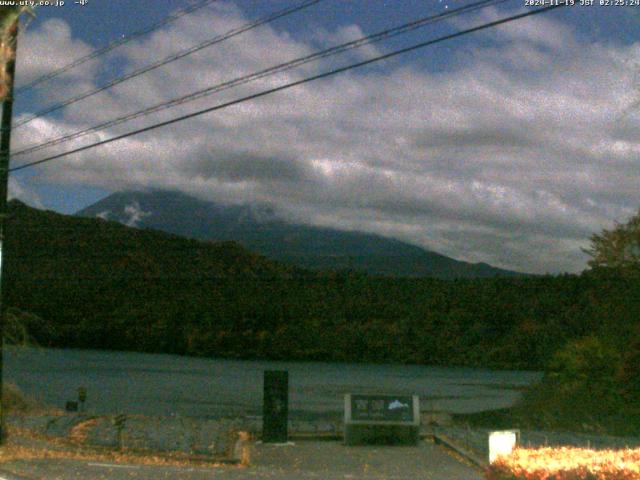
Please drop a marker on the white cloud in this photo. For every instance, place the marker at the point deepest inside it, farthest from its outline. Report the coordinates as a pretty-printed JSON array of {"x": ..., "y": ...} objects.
[
  {"x": 514, "y": 157},
  {"x": 18, "y": 191},
  {"x": 49, "y": 46},
  {"x": 535, "y": 31}
]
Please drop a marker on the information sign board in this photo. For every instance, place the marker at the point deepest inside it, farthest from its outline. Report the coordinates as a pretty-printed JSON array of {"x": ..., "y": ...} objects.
[
  {"x": 377, "y": 418},
  {"x": 382, "y": 408}
]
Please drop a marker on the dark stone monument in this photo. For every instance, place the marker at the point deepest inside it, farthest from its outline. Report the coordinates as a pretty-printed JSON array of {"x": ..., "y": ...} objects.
[
  {"x": 381, "y": 419},
  {"x": 275, "y": 407},
  {"x": 71, "y": 406}
]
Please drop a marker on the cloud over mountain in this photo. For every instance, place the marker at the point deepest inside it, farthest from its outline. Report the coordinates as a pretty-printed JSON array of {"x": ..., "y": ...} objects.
[{"x": 513, "y": 155}]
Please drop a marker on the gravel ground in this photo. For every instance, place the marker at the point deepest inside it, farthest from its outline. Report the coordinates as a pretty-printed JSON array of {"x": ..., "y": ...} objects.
[
  {"x": 210, "y": 438},
  {"x": 322, "y": 460},
  {"x": 216, "y": 440}
]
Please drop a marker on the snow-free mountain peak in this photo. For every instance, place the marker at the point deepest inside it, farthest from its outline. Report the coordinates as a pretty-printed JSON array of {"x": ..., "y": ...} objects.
[{"x": 259, "y": 229}]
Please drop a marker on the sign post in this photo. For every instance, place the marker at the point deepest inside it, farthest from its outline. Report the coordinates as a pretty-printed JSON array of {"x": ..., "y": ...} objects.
[
  {"x": 82, "y": 397},
  {"x": 119, "y": 421},
  {"x": 275, "y": 407}
]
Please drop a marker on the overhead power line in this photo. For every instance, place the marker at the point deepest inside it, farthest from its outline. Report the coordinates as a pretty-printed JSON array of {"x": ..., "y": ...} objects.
[
  {"x": 294, "y": 84},
  {"x": 366, "y": 40},
  {"x": 121, "y": 41},
  {"x": 172, "y": 58}
]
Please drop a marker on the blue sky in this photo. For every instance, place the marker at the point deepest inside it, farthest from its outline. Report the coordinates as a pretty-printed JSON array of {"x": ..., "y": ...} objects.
[{"x": 510, "y": 146}]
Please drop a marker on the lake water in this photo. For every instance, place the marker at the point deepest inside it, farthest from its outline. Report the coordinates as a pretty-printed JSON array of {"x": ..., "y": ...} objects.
[{"x": 137, "y": 383}]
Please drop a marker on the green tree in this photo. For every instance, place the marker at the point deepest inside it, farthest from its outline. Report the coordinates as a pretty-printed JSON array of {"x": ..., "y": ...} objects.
[
  {"x": 24, "y": 328},
  {"x": 618, "y": 247},
  {"x": 628, "y": 375},
  {"x": 586, "y": 364},
  {"x": 579, "y": 390}
]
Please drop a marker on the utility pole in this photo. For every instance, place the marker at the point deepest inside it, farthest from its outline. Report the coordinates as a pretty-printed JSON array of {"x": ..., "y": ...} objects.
[{"x": 5, "y": 145}]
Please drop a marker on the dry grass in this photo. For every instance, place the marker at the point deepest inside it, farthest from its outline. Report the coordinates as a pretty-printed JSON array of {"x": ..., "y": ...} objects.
[
  {"x": 243, "y": 445},
  {"x": 18, "y": 452},
  {"x": 80, "y": 433},
  {"x": 27, "y": 445}
]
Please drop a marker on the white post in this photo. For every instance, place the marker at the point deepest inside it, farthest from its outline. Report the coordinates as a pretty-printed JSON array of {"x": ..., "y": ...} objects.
[{"x": 502, "y": 443}]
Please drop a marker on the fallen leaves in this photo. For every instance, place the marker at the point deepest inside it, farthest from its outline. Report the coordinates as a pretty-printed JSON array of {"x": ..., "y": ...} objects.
[{"x": 566, "y": 464}]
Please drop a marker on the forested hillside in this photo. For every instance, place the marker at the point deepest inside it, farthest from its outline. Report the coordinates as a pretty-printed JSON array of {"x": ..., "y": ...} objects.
[{"x": 99, "y": 284}]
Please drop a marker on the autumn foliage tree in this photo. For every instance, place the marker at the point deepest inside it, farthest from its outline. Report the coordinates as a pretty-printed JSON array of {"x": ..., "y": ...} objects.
[{"x": 617, "y": 248}]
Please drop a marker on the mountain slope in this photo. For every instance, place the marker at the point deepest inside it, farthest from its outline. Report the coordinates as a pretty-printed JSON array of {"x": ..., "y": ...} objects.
[
  {"x": 97, "y": 248},
  {"x": 259, "y": 230},
  {"x": 99, "y": 284}
]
